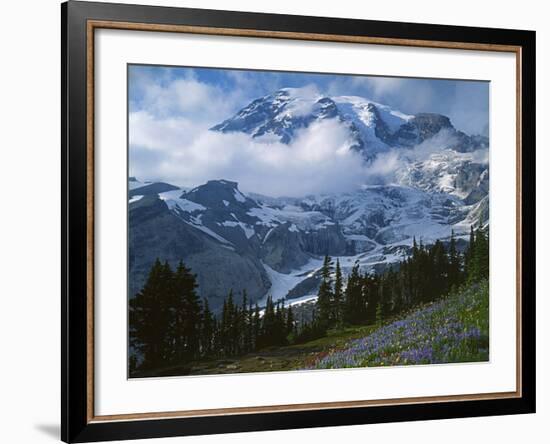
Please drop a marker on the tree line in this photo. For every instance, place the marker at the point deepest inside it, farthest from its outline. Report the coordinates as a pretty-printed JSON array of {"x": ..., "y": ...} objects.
[
  {"x": 429, "y": 273},
  {"x": 170, "y": 324}
]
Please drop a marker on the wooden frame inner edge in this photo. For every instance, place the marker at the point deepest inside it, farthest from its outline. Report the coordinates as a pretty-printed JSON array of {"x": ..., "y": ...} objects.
[{"x": 94, "y": 24}]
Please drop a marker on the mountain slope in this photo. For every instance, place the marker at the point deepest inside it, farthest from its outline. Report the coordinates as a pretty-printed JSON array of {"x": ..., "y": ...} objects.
[{"x": 233, "y": 241}]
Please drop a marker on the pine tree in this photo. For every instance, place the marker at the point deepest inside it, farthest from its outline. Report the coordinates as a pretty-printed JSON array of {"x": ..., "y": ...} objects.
[
  {"x": 481, "y": 255},
  {"x": 268, "y": 324},
  {"x": 149, "y": 318},
  {"x": 468, "y": 256},
  {"x": 354, "y": 303},
  {"x": 243, "y": 323},
  {"x": 280, "y": 324},
  {"x": 230, "y": 326},
  {"x": 227, "y": 327},
  {"x": 384, "y": 303},
  {"x": 325, "y": 295},
  {"x": 217, "y": 343},
  {"x": 290, "y": 327},
  {"x": 454, "y": 263},
  {"x": 187, "y": 314},
  {"x": 338, "y": 297},
  {"x": 207, "y": 330},
  {"x": 414, "y": 266},
  {"x": 256, "y": 327},
  {"x": 249, "y": 334},
  {"x": 379, "y": 313},
  {"x": 371, "y": 295},
  {"x": 438, "y": 271}
]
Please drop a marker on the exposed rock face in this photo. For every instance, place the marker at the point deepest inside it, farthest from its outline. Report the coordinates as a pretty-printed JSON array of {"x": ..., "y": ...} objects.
[
  {"x": 156, "y": 232},
  {"x": 152, "y": 189},
  {"x": 222, "y": 196},
  {"x": 447, "y": 172},
  {"x": 428, "y": 125},
  {"x": 309, "y": 285},
  {"x": 327, "y": 240},
  {"x": 283, "y": 249},
  {"x": 477, "y": 185},
  {"x": 273, "y": 114}
]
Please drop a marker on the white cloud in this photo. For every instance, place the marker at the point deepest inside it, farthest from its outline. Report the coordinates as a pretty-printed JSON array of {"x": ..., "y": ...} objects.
[
  {"x": 170, "y": 141},
  {"x": 383, "y": 168},
  {"x": 317, "y": 161},
  {"x": 381, "y": 85},
  {"x": 185, "y": 97},
  {"x": 162, "y": 134}
]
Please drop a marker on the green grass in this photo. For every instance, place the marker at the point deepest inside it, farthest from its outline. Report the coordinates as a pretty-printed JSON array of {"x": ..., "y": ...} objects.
[{"x": 454, "y": 329}]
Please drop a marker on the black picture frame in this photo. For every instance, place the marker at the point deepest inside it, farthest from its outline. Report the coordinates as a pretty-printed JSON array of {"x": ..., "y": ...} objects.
[{"x": 76, "y": 423}]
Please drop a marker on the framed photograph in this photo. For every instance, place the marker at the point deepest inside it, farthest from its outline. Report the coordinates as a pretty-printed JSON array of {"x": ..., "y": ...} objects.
[{"x": 276, "y": 221}]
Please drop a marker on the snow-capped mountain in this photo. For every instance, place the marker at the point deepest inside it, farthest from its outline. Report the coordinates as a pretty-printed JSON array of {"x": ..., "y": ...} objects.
[
  {"x": 267, "y": 245},
  {"x": 373, "y": 127},
  {"x": 447, "y": 171}
]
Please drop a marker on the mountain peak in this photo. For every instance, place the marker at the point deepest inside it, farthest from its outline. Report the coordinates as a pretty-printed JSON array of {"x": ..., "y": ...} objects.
[
  {"x": 373, "y": 127},
  {"x": 222, "y": 183},
  {"x": 304, "y": 92},
  {"x": 430, "y": 124},
  {"x": 219, "y": 193}
]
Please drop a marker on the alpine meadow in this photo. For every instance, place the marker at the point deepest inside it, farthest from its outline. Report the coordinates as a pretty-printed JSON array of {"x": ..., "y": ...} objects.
[{"x": 282, "y": 221}]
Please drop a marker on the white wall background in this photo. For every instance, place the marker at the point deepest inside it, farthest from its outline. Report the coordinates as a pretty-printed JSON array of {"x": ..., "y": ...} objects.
[{"x": 30, "y": 202}]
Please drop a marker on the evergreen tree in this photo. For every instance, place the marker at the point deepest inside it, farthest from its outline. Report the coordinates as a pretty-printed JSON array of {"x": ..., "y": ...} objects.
[
  {"x": 325, "y": 295},
  {"x": 217, "y": 342},
  {"x": 371, "y": 290},
  {"x": 169, "y": 323},
  {"x": 290, "y": 327},
  {"x": 228, "y": 328},
  {"x": 354, "y": 304},
  {"x": 414, "y": 266},
  {"x": 468, "y": 256},
  {"x": 243, "y": 323},
  {"x": 249, "y": 334},
  {"x": 454, "y": 263},
  {"x": 186, "y": 311},
  {"x": 479, "y": 268},
  {"x": 207, "y": 331},
  {"x": 268, "y": 324},
  {"x": 279, "y": 335},
  {"x": 438, "y": 271},
  {"x": 384, "y": 303},
  {"x": 379, "y": 313},
  {"x": 338, "y": 297},
  {"x": 150, "y": 318},
  {"x": 231, "y": 325},
  {"x": 256, "y": 327}
]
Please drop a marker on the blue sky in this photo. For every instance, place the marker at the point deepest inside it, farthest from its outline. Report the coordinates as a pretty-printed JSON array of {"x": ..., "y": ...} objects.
[{"x": 465, "y": 102}]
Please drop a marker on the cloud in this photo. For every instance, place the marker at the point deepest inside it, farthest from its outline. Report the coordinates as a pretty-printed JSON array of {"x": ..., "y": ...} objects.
[
  {"x": 317, "y": 161},
  {"x": 407, "y": 95},
  {"x": 171, "y": 110},
  {"x": 381, "y": 86},
  {"x": 383, "y": 168},
  {"x": 162, "y": 133},
  {"x": 162, "y": 95}
]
